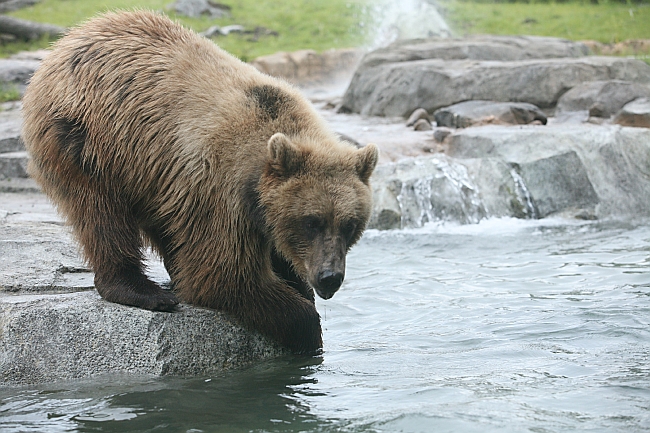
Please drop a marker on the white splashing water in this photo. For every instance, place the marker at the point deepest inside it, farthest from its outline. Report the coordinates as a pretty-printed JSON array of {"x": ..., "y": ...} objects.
[
  {"x": 448, "y": 194},
  {"x": 405, "y": 19}
]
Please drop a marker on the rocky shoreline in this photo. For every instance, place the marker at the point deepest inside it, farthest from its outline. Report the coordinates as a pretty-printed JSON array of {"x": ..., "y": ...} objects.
[{"x": 569, "y": 158}]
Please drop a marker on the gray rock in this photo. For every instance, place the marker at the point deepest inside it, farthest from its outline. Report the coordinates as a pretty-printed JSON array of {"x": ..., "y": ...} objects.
[
  {"x": 582, "y": 171},
  {"x": 17, "y": 72},
  {"x": 482, "y": 47},
  {"x": 556, "y": 184},
  {"x": 53, "y": 325},
  {"x": 601, "y": 98},
  {"x": 469, "y": 113},
  {"x": 38, "y": 55},
  {"x": 396, "y": 89},
  {"x": 16, "y": 28},
  {"x": 441, "y": 133},
  {"x": 40, "y": 257},
  {"x": 615, "y": 160},
  {"x": 635, "y": 113},
  {"x": 198, "y": 8},
  {"x": 46, "y": 338},
  {"x": 10, "y": 125},
  {"x": 233, "y": 28},
  {"x": 13, "y": 165},
  {"x": 418, "y": 114},
  {"x": 15, "y": 185},
  {"x": 422, "y": 125},
  {"x": 212, "y": 31},
  {"x": 12, "y": 5}
]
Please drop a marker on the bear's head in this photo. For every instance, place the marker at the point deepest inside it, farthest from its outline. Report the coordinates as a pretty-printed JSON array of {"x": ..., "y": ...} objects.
[{"x": 317, "y": 202}]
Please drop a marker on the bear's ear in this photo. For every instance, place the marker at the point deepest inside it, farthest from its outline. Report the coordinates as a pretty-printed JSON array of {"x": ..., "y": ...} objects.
[
  {"x": 366, "y": 161},
  {"x": 284, "y": 157}
]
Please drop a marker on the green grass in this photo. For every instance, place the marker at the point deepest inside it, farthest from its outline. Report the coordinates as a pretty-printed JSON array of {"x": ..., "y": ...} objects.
[
  {"x": 607, "y": 23},
  {"x": 300, "y": 24},
  {"x": 8, "y": 92},
  {"x": 321, "y": 24}
]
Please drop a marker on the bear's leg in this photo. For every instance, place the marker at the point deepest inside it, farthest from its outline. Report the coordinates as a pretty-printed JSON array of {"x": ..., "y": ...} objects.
[
  {"x": 101, "y": 218},
  {"x": 293, "y": 321},
  {"x": 283, "y": 314},
  {"x": 111, "y": 239}
]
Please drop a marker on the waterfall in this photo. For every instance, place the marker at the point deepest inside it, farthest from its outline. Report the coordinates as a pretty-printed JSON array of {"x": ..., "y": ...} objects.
[
  {"x": 448, "y": 194},
  {"x": 405, "y": 19},
  {"x": 522, "y": 195}
]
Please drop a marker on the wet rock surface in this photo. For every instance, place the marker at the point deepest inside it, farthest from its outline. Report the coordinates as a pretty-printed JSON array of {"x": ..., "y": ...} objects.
[{"x": 67, "y": 336}]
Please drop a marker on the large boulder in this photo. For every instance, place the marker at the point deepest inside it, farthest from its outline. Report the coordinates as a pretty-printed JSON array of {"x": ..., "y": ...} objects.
[
  {"x": 480, "y": 47},
  {"x": 601, "y": 98},
  {"x": 470, "y": 113},
  {"x": 582, "y": 171},
  {"x": 396, "y": 89},
  {"x": 51, "y": 337}
]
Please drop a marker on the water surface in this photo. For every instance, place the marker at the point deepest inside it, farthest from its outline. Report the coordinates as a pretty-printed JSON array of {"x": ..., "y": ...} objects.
[{"x": 504, "y": 326}]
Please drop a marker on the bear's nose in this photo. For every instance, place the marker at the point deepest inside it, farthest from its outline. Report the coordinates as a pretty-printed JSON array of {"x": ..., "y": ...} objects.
[{"x": 329, "y": 282}]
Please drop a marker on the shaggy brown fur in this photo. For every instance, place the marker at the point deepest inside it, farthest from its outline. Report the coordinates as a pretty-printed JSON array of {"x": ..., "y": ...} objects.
[{"x": 141, "y": 130}]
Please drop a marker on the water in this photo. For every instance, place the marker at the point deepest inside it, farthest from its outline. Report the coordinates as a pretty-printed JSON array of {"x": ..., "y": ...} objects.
[
  {"x": 501, "y": 326},
  {"x": 404, "y": 19}
]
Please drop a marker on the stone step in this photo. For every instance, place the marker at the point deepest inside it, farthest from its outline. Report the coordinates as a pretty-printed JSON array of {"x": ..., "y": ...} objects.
[
  {"x": 13, "y": 165},
  {"x": 19, "y": 185}
]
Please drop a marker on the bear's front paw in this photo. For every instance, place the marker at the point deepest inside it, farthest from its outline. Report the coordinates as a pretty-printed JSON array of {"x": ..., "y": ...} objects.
[
  {"x": 303, "y": 334},
  {"x": 136, "y": 292}
]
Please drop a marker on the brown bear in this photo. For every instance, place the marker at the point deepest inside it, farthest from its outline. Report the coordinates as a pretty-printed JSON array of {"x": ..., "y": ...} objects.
[{"x": 144, "y": 133}]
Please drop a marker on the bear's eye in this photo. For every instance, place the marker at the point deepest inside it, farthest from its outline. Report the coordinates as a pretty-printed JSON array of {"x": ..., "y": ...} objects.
[
  {"x": 313, "y": 225},
  {"x": 347, "y": 229}
]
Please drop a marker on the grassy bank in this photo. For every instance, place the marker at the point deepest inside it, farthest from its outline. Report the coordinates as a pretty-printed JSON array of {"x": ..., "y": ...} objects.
[
  {"x": 607, "y": 22},
  {"x": 321, "y": 25},
  {"x": 299, "y": 24}
]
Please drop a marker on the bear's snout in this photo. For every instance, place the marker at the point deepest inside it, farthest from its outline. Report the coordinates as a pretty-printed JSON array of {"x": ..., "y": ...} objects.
[{"x": 328, "y": 283}]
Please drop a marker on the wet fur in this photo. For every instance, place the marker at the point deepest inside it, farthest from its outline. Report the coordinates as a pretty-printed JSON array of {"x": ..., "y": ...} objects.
[{"x": 143, "y": 132}]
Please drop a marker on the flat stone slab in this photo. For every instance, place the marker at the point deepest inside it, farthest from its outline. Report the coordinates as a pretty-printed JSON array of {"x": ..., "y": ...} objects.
[
  {"x": 13, "y": 165},
  {"x": 46, "y": 338},
  {"x": 478, "y": 47},
  {"x": 397, "y": 89}
]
